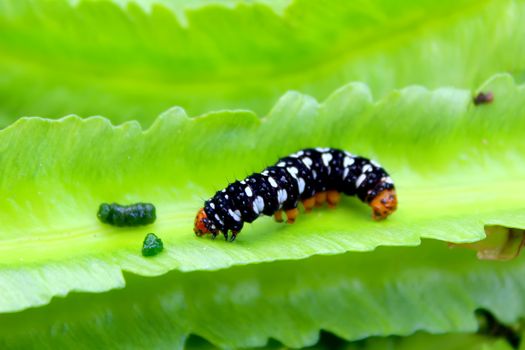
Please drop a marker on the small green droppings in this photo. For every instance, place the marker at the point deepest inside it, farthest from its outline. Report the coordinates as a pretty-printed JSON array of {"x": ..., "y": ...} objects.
[
  {"x": 127, "y": 215},
  {"x": 152, "y": 245}
]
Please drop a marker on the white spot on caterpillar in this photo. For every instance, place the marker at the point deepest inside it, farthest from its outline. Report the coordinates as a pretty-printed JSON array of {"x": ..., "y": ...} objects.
[
  {"x": 374, "y": 163},
  {"x": 272, "y": 181},
  {"x": 248, "y": 191},
  {"x": 307, "y": 161},
  {"x": 345, "y": 173},
  {"x": 212, "y": 205},
  {"x": 219, "y": 219},
  {"x": 223, "y": 190},
  {"x": 281, "y": 164},
  {"x": 388, "y": 180},
  {"x": 236, "y": 215},
  {"x": 348, "y": 161},
  {"x": 367, "y": 168},
  {"x": 265, "y": 173},
  {"x": 226, "y": 196},
  {"x": 293, "y": 171},
  {"x": 258, "y": 205},
  {"x": 243, "y": 182},
  {"x": 281, "y": 196},
  {"x": 360, "y": 180},
  {"x": 301, "y": 184},
  {"x": 314, "y": 174},
  {"x": 327, "y": 157},
  {"x": 297, "y": 154},
  {"x": 322, "y": 149},
  {"x": 348, "y": 153}
]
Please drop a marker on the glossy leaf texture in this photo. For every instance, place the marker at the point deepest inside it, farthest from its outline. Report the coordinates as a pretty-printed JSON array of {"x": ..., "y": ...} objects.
[
  {"x": 391, "y": 291},
  {"x": 457, "y": 167},
  {"x": 132, "y": 60}
]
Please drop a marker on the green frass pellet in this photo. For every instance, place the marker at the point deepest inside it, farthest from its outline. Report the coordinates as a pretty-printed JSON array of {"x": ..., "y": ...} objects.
[
  {"x": 127, "y": 215},
  {"x": 152, "y": 245}
]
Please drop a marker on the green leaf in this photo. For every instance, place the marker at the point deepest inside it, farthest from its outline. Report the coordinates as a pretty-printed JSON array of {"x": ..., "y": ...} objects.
[
  {"x": 457, "y": 168},
  {"x": 426, "y": 341},
  {"x": 391, "y": 291},
  {"x": 135, "y": 61}
]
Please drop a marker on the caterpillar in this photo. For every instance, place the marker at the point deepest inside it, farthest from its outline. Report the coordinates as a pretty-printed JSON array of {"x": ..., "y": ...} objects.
[
  {"x": 127, "y": 215},
  {"x": 313, "y": 176}
]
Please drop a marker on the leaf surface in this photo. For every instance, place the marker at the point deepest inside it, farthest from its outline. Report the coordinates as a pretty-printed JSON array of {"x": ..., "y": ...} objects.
[
  {"x": 458, "y": 341},
  {"x": 391, "y": 291},
  {"x": 457, "y": 168},
  {"x": 133, "y": 60}
]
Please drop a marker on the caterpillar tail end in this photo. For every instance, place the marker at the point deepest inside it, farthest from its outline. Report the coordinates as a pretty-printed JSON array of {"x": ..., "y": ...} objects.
[
  {"x": 384, "y": 204},
  {"x": 200, "y": 228}
]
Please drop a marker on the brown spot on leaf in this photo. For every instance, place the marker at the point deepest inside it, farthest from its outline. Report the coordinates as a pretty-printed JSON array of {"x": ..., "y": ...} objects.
[{"x": 501, "y": 243}]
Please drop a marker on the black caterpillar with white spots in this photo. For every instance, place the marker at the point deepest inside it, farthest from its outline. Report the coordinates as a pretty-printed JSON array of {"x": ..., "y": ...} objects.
[{"x": 312, "y": 176}]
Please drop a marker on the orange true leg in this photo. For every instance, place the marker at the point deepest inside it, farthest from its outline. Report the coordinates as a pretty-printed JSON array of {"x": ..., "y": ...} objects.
[
  {"x": 291, "y": 215},
  {"x": 320, "y": 198},
  {"x": 309, "y": 204},
  {"x": 333, "y": 197},
  {"x": 278, "y": 216}
]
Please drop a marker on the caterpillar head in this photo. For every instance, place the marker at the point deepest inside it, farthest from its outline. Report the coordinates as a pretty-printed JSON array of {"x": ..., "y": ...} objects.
[
  {"x": 201, "y": 220},
  {"x": 384, "y": 204}
]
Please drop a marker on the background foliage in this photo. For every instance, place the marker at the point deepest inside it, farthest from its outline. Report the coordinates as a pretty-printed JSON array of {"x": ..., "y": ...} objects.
[{"x": 457, "y": 169}]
